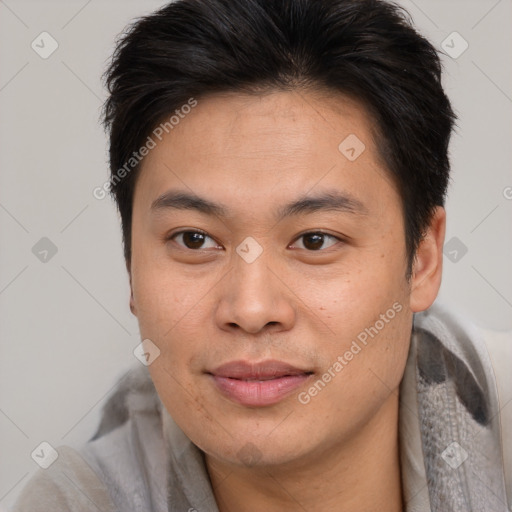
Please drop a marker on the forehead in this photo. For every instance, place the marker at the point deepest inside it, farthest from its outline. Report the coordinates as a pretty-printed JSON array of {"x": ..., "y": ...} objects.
[
  {"x": 271, "y": 124},
  {"x": 240, "y": 145}
]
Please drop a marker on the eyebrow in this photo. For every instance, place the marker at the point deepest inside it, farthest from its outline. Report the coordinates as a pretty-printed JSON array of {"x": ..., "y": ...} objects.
[{"x": 326, "y": 201}]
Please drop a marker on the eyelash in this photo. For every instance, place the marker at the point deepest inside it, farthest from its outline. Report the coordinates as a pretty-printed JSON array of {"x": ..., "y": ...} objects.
[{"x": 323, "y": 233}]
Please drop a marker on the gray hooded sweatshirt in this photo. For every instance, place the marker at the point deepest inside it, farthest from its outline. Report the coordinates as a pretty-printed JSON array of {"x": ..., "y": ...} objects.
[{"x": 455, "y": 427}]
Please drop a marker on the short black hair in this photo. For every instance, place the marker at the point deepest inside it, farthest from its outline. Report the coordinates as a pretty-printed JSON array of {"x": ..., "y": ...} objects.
[{"x": 367, "y": 49}]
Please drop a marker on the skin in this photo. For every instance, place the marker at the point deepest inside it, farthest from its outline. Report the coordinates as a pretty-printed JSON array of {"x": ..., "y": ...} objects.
[{"x": 208, "y": 306}]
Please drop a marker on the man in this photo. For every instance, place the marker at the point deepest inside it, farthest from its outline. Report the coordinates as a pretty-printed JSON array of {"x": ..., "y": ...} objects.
[{"x": 280, "y": 168}]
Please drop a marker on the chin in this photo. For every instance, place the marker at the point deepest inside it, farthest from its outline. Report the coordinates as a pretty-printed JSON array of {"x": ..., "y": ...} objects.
[{"x": 259, "y": 446}]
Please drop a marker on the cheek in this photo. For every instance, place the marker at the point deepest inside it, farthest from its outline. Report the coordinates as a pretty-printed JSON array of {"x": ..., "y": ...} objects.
[
  {"x": 173, "y": 309},
  {"x": 365, "y": 310},
  {"x": 352, "y": 297},
  {"x": 366, "y": 358},
  {"x": 166, "y": 297}
]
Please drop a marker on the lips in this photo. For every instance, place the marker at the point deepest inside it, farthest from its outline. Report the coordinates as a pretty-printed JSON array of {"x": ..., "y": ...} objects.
[{"x": 258, "y": 384}]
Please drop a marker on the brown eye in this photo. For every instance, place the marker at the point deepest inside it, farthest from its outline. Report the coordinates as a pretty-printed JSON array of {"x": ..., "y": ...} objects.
[
  {"x": 194, "y": 240},
  {"x": 313, "y": 241},
  {"x": 316, "y": 241}
]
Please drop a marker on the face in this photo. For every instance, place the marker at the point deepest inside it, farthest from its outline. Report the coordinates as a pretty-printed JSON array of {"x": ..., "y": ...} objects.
[{"x": 269, "y": 268}]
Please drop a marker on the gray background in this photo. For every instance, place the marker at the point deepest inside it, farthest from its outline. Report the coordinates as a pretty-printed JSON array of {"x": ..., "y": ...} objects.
[{"x": 66, "y": 329}]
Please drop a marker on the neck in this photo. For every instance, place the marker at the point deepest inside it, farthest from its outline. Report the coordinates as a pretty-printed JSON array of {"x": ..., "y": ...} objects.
[{"x": 363, "y": 474}]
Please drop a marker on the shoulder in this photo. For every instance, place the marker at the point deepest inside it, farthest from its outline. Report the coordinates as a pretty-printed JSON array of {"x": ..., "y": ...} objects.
[
  {"x": 499, "y": 346},
  {"x": 122, "y": 468},
  {"x": 131, "y": 461},
  {"x": 68, "y": 485},
  {"x": 478, "y": 363},
  {"x": 482, "y": 349}
]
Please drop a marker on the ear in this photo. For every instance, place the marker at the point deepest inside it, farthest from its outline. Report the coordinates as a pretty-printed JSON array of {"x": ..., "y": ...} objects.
[
  {"x": 133, "y": 309},
  {"x": 428, "y": 264}
]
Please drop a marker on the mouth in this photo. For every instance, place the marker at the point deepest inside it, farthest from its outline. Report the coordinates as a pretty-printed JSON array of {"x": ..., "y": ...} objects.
[{"x": 258, "y": 384}]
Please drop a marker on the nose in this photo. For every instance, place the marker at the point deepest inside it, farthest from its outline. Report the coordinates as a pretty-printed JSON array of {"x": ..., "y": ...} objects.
[{"x": 254, "y": 299}]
